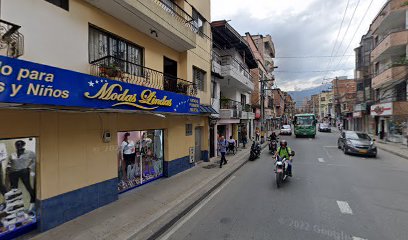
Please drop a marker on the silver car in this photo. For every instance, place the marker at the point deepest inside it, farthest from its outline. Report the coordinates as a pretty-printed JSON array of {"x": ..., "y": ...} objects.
[{"x": 357, "y": 143}]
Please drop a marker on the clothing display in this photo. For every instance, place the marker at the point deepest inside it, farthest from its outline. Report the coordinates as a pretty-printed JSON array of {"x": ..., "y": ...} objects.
[
  {"x": 17, "y": 184},
  {"x": 146, "y": 161}
]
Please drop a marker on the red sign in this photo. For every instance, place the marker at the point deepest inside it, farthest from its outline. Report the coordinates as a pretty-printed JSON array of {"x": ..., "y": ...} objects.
[{"x": 258, "y": 113}]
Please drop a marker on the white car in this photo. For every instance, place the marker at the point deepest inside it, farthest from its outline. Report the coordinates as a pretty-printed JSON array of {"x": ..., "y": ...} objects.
[{"x": 286, "y": 130}]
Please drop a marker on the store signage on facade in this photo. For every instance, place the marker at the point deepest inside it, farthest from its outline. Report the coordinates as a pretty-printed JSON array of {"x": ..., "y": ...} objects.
[
  {"x": 384, "y": 109},
  {"x": 31, "y": 83}
]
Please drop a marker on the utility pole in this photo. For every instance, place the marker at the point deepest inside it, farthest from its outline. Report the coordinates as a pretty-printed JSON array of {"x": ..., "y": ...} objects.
[{"x": 263, "y": 89}]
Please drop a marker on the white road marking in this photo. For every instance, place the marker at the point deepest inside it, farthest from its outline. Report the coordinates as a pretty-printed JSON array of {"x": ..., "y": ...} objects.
[
  {"x": 344, "y": 207},
  {"x": 195, "y": 211},
  {"x": 321, "y": 160},
  {"x": 358, "y": 238}
]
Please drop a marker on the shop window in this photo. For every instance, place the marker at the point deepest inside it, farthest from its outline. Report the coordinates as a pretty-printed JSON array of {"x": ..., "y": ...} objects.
[
  {"x": 18, "y": 161},
  {"x": 198, "y": 78},
  {"x": 189, "y": 129},
  {"x": 108, "y": 49},
  {"x": 140, "y": 158},
  {"x": 64, "y": 4}
]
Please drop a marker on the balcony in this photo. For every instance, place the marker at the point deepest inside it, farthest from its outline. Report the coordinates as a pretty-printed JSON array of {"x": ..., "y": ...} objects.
[
  {"x": 236, "y": 74},
  {"x": 392, "y": 44},
  {"x": 124, "y": 71},
  {"x": 392, "y": 12},
  {"x": 216, "y": 63},
  {"x": 162, "y": 20},
  {"x": 230, "y": 109},
  {"x": 11, "y": 40},
  {"x": 390, "y": 75}
]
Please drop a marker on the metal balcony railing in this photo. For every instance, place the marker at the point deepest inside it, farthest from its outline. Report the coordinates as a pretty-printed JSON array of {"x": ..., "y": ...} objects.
[
  {"x": 230, "y": 104},
  {"x": 182, "y": 16},
  {"x": 124, "y": 71},
  {"x": 229, "y": 60},
  {"x": 11, "y": 40},
  {"x": 247, "y": 108}
]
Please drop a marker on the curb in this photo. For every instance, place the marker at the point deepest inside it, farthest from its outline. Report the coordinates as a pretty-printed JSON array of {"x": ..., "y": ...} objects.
[
  {"x": 155, "y": 234},
  {"x": 392, "y": 152}
]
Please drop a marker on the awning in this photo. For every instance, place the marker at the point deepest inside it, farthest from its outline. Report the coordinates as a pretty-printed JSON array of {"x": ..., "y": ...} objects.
[{"x": 207, "y": 109}]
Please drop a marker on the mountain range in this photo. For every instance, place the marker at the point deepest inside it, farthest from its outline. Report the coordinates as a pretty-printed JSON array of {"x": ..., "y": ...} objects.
[{"x": 299, "y": 96}]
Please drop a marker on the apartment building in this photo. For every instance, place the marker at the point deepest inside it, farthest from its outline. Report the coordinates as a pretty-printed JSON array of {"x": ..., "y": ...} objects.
[
  {"x": 232, "y": 84},
  {"x": 363, "y": 75},
  {"x": 264, "y": 52},
  {"x": 389, "y": 65},
  {"x": 104, "y": 97},
  {"x": 344, "y": 95},
  {"x": 325, "y": 106}
]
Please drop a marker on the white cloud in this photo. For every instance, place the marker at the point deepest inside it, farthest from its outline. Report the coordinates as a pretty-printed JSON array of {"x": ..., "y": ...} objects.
[{"x": 301, "y": 28}]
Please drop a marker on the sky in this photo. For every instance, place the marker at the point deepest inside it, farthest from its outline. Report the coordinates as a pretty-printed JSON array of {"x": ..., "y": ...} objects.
[{"x": 304, "y": 28}]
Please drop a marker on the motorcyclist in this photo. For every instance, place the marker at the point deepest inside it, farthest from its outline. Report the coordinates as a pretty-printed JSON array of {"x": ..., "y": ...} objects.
[
  {"x": 285, "y": 152},
  {"x": 273, "y": 137}
]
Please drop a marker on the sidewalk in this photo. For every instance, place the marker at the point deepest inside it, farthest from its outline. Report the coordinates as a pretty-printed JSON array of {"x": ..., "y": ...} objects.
[
  {"x": 394, "y": 148},
  {"x": 140, "y": 213}
]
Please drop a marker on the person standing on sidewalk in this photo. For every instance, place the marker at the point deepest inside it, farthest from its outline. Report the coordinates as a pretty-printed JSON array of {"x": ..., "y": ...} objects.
[
  {"x": 222, "y": 147},
  {"x": 244, "y": 137}
]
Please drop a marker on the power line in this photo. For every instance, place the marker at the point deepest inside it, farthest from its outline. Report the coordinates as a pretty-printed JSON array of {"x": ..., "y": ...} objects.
[
  {"x": 348, "y": 27},
  {"x": 354, "y": 35},
  {"x": 338, "y": 33},
  {"x": 311, "y": 71},
  {"x": 291, "y": 57}
]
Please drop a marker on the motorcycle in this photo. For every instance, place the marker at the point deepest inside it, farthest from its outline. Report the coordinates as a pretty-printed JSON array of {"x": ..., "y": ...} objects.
[
  {"x": 281, "y": 169},
  {"x": 255, "y": 151},
  {"x": 273, "y": 146}
]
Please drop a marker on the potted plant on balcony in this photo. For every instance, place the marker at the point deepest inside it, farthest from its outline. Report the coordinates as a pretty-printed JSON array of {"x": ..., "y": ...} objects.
[
  {"x": 110, "y": 70},
  {"x": 182, "y": 87}
]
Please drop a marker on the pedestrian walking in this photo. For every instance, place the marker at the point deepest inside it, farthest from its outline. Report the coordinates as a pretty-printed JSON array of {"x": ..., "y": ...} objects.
[
  {"x": 222, "y": 147},
  {"x": 244, "y": 137},
  {"x": 257, "y": 134}
]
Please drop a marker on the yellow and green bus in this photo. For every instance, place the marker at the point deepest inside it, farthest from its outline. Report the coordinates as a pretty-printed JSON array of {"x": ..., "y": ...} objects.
[{"x": 305, "y": 125}]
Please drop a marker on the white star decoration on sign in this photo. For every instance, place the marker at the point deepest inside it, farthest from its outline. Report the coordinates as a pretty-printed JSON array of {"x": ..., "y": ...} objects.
[
  {"x": 97, "y": 81},
  {"x": 91, "y": 84}
]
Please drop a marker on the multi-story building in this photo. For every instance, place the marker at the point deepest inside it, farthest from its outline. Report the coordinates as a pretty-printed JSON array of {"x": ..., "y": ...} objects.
[
  {"x": 389, "y": 62},
  {"x": 344, "y": 96},
  {"x": 264, "y": 52},
  {"x": 232, "y": 82},
  {"x": 326, "y": 106},
  {"x": 315, "y": 105},
  {"x": 289, "y": 108},
  {"x": 364, "y": 98},
  {"x": 106, "y": 96},
  {"x": 279, "y": 103}
]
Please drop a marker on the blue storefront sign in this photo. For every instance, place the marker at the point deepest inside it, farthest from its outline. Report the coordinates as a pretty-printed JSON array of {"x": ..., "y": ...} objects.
[{"x": 32, "y": 83}]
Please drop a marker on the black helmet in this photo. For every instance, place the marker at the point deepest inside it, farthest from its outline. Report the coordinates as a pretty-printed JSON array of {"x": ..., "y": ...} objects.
[{"x": 283, "y": 143}]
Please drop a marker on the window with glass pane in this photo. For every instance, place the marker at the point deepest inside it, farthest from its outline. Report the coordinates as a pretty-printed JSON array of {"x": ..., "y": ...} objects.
[
  {"x": 198, "y": 21},
  {"x": 198, "y": 76},
  {"x": 107, "y": 48}
]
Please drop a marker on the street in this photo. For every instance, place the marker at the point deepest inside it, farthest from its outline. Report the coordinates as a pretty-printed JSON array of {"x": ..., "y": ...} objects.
[{"x": 331, "y": 196}]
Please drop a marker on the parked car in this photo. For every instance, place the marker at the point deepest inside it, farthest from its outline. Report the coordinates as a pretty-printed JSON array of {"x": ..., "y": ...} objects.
[
  {"x": 324, "y": 127},
  {"x": 286, "y": 130},
  {"x": 357, "y": 143}
]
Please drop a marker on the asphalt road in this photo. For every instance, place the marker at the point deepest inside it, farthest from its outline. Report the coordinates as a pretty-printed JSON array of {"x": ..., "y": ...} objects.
[{"x": 331, "y": 196}]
